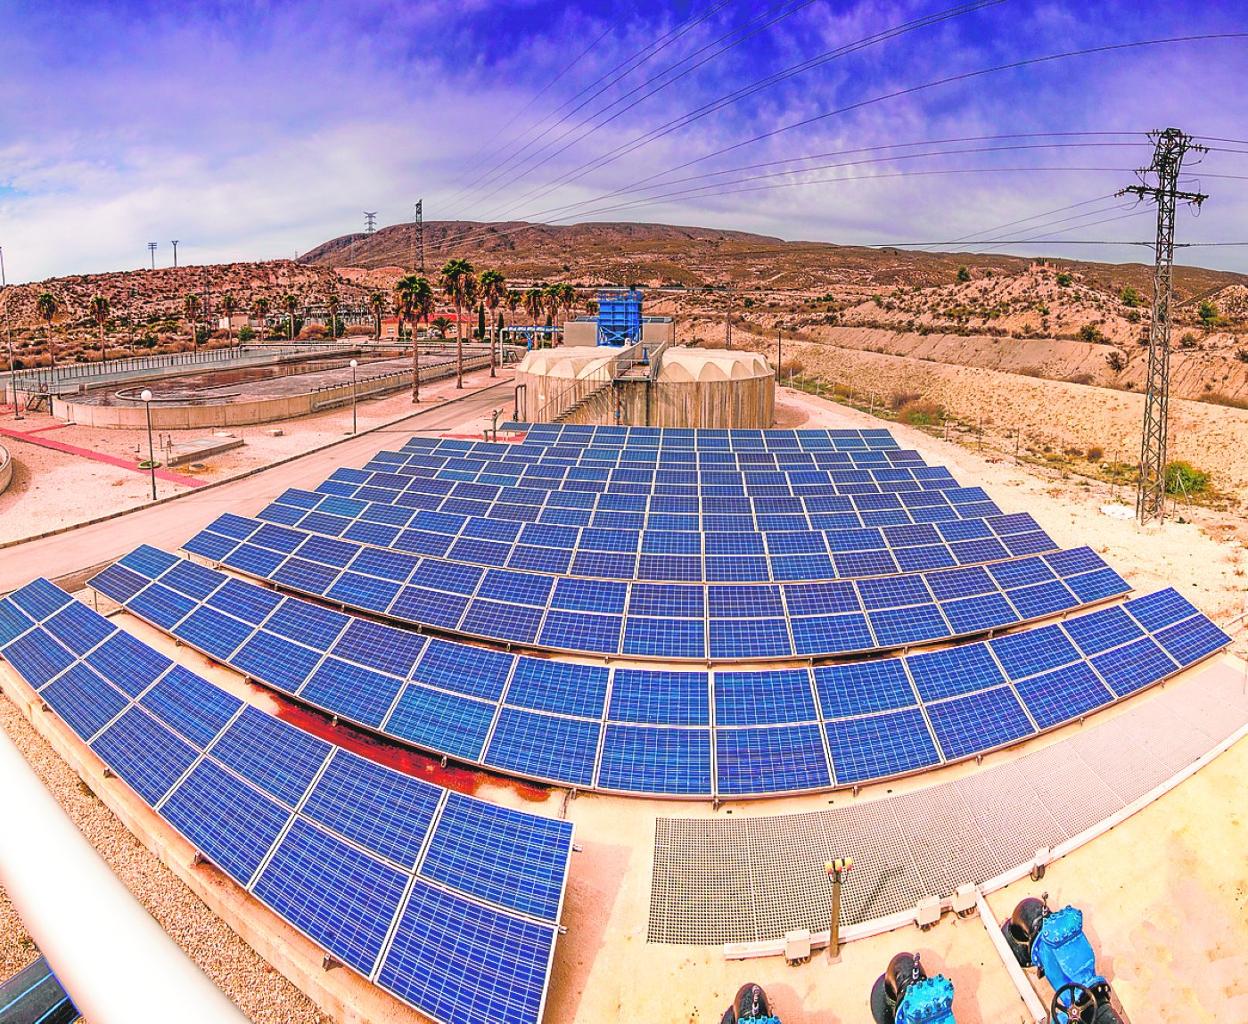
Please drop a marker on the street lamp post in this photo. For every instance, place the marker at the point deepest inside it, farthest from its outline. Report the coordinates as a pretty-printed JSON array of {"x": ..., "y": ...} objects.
[
  {"x": 8, "y": 325},
  {"x": 354, "y": 364},
  {"x": 836, "y": 870},
  {"x": 151, "y": 455}
]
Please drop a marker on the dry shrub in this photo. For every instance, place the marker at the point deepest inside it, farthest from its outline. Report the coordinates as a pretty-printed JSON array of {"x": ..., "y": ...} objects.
[
  {"x": 1081, "y": 378},
  {"x": 792, "y": 368},
  {"x": 921, "y": 413},
  {"x": 1029, "y": 371},
  {"x": 1222, "y": 398},
  {"x": 313, "y": 332},
  {"x": 901, "y": 399},
  {"x": 1094, "y": 454},
  {"x": 358, "y": 331}
]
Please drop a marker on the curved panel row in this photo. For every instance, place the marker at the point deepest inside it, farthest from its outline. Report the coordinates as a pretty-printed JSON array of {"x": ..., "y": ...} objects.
[
  {"x": 676, "y": 733},
  {"x": 704, "y": 438},
  {"x": 635, "y": 545},
  {"x": 385, "y": 872},
  {"x": 670, "y": 621}
]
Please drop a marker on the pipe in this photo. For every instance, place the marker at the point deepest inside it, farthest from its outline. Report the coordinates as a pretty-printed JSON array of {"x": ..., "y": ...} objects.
[{"x": 111, "y": 956}]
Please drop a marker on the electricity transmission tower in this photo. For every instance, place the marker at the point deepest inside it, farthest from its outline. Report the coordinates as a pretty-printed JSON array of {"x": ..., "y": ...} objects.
[
  {"x": 370, "y": 221},
  {"x": 1171, "y": 147},
  {"x": 418, "y": 239},
  {"x": 174, "y": 243},
  {"x": 728, "y": 318},
  {"x": 151, "y": 248}
]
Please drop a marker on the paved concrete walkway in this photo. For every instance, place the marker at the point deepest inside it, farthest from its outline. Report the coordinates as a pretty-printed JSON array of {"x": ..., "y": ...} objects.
[
  {"x": 86, "y": 453},
  {"x": 169, "y": 524}
]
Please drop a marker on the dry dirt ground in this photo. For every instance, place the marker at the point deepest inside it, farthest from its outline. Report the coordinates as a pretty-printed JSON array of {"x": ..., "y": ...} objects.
[
  {"x": 1164, "y": 893},
  {"x": 52, "y": 490}
]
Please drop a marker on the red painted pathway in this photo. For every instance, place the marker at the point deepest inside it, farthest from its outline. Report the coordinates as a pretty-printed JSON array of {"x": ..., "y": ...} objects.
[{"x": 86, "y": 453}]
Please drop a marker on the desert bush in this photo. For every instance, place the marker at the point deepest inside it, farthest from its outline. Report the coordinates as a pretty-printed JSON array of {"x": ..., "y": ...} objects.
[
  {"x": 1184, "y": 478},
  {"x": 1116, "y": 361},
  {"x": 245, "y": 334},
  {"x": 1064, "y": 280},
  {"x": 1130, "y": 297},
  {"x": 313, "y": 332},
  {"x": 1092, "y": 333},
  {"x": 1212, "y": 397},
  {"x": 1189, "y": 340},
  {"x": 792, "y": 368},
  {"x": 358, "y": 331},
  {"x": 1242, "y": 354},
  {"x": 1094, "y": 453},
  {"x": 1080, "y": 378},
  {"x": 964, "y": 275},
  {"x": 1208, "y": 314},
  {"x": 902, "y": 398},
  {"x": 921, "y": 413}
]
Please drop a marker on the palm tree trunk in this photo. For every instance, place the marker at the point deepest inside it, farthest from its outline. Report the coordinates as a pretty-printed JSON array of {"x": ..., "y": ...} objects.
[
  {"x": 103, "y": 351},
  {"x": 493, "y": 339},
  {"x": 459, "y": 347},
  {"x": 415, "y": 362}
]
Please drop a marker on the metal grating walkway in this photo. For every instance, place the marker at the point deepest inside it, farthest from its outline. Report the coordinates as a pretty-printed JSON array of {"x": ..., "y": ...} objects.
[{"x": 753, "y": 879}]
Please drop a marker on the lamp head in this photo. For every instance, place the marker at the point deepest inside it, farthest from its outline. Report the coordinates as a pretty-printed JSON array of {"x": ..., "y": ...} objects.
[{"x": 146, "y": 395}]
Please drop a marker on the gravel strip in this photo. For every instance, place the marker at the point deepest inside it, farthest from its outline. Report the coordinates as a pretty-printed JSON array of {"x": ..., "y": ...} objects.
[{"x": 262, "y": 993}]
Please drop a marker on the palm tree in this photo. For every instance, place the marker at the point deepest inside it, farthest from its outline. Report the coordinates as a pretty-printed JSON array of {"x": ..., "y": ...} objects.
[
  {"x": 99, "y": 313},
  {"x": 550, "y": 299},
  {"x": 377, "y": 302},
  {"x": 191, "y": 305},
  {"x": 46, "y": 305},
  {"x": 333, "y": 302},
  {"x": 441, "y": 324},
  {"x": 260, "y": 310},
  {"x": 459, "y": 285},
  {"x": 413, "y": 300},
  {"x": 291, "y": 302},
  {"x": 533, "y": 305},
  {"x": 567, "y": 299},
  {"x": 228, "y": 305},
  {"x": 493, "y": 290}
]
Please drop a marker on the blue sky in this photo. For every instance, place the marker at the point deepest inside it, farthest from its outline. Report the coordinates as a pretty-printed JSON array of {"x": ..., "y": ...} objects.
[{"x": 257, "y": 130}]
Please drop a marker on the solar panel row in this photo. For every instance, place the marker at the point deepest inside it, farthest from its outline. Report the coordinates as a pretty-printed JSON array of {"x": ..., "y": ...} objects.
[
  {"x": 663, "y": 546},
  {"x": 724, "y": 733},
  {"x": 382, "y": 870},
  {"x": 673, "y": 438},
  {"x": 681, "y": 621}
]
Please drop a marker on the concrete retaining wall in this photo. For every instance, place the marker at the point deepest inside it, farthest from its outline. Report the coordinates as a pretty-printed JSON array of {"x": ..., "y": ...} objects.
[{"x": 6, "y": 468}]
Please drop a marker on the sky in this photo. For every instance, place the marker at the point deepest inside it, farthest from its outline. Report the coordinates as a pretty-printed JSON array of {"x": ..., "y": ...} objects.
[{"x": 257, "y": 130}]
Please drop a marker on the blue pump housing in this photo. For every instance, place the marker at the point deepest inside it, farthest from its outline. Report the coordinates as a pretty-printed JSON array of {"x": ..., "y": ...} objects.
[
  {"x": 1063, "y": 952},
  {"x": 927, "y": 1002}
]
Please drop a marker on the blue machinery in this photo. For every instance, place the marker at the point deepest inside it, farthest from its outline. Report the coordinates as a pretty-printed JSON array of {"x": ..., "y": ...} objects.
[
  {"x": 619, "y": 316},
  {"x": 904, "y": 994}
]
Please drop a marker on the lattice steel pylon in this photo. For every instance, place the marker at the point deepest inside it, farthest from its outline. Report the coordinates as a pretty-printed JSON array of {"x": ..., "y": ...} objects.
[
  {"x": 1172, "y": 145},
  {"x": 419, "y": 239}
]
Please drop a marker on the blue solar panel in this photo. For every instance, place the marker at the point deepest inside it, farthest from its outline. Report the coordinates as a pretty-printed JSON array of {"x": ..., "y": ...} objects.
[
  {"x": 545, "y": 746},
  {"x": 1021, "y": 572},
  {"x": 646, "y": 759},
  {"x": 84, "y": 699},
  {"x": 518, "y": 587},
  {"x": 831, "y": 634},
  {"x": 1034, "y": 650},
  {"x": 1133, "y": 666},
  {"x": 665, "y": 637},
  {"x": 500, "y": 961},
  {"x": 230, "y": 823},
  {"x": 897, "y": 627},
  {"x": 309, "y": 577},
  {"x": 821, "y": 598},
  {"x": 1189, "y": 641},
  {"x": 356, "y": 693},
  {"x": 443, "y": 722},
  {"x": 117, "y": 582},
  {"x": 342, "y": 899},
  {"x": 148, "y": 561},
  {"x": 467, "y": 670},
  {"x": 37, "y": 657},
  {"x": 13, "y": 621},
  {"x": 978, "y": 721},
  {"x": 381, "y": 809},
  {"x": 365, "y": 592},
  {"x": 429, "y": 607},
  {"x": 891, "y": 592},
  {"x": 1162, "y": 608},
  {"x": 245, "y": 601},
  {"x": 953, "y": 671},
  {"x": 1102, "y": 630},
  {"x": 749, "y": 638},
  {"x": 774, "y": 759},
  {"x": 502, "y": 620},
  {"x": 971, "y": 581},
  {"x": 863, "y": 687},
  {"x": 78, "y": 628},
  {"x": 977, "y": 614},
  {"x": 191, "y": 706},
  {"x": 146, "y": 755},
  {"x": 192, "y": 579},
  {"x": 579, "y": 631},
  {"x": 1042, "y": 599},
  {"x": 880, "y": 745},
  {"x": 212, "y": 632},
  {"x": 277, "y": 757},
  {"x": 1062, "y": 694},
  {"x": 1096, "y": 586},
  {"x": 161, "y": 606},
  {"x": 386, "y": 648},
  {"x": 252, "y": 560},
  {"x": 763, "y": 698},
  {"x": 559, "y": 687},
  {"x": 276, "y": 662},
  {"x": 504, "y": 857}
]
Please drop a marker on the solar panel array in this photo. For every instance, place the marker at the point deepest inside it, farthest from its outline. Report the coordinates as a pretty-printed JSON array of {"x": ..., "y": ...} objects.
[
  {"x": 668, "y": 621},
  {"x": 727, "y": 733},
  {"x": 445, "y": 901}
]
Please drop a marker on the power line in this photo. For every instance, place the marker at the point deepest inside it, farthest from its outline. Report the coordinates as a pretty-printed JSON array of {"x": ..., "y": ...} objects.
[
  {"x": 740, "y": 32},
  {"x": 759, "y": 85},
  {"x": 655, "y": 48}
]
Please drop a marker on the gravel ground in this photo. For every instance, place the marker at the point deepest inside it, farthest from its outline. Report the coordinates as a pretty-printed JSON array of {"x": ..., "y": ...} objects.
[{"x": 263, "y": 994}]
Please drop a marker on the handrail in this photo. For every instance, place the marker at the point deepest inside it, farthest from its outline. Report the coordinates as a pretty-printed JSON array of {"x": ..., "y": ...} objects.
[{"x": 581, "y": 387}]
